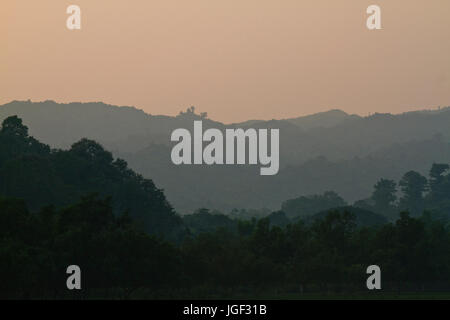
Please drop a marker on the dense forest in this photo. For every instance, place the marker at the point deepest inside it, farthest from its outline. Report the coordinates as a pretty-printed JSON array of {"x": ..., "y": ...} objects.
[
  {"x": 81, "y": 206},
  {"x": 250, "y": 259},
  {"x": 43, "y": 176}
]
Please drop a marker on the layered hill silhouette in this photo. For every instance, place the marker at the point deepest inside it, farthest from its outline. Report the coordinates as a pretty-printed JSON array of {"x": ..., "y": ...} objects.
[
  {"x": 42, "y": 176},
  {"x": 326, "y": 151}
]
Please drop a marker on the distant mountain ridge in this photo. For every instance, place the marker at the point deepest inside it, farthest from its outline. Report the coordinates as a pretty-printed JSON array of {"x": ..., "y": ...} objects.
[
  {"x": 127, "y": 129},
  {"x": 326, "y": 151},
  {"x": 325, "y": 119}
]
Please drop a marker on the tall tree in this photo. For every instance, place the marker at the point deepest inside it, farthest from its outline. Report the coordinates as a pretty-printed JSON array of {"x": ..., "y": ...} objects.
[
  {"x": 384, "y": 196},
  {"x": 413, "y": 186},
  {"x": 437, "y": 181}
]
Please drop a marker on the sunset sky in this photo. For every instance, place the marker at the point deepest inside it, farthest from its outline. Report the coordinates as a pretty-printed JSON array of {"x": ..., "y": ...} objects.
[{"x": 235, "y": 59}]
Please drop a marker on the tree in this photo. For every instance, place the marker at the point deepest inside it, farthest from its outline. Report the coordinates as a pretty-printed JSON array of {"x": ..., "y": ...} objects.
[
  {"x": 413, "y": 186},
  {"x": 437, "y": 181},
  {"x": 92, "y": 151},
  {"x": 13, "y": 126},
  {"x": 384, "y": 196},
  {"x": 15, "y": 141}
]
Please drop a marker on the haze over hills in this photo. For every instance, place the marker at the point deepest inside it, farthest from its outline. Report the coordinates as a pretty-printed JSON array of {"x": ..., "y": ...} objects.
[
  {"x": 326, "y": 151},
  {"x": 325, "y": 119}
]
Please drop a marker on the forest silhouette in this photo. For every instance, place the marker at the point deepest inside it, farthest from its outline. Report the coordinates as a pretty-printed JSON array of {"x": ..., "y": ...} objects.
[
  {"x": 81, "y": 206},
  {"x": 325, "y": 151}
]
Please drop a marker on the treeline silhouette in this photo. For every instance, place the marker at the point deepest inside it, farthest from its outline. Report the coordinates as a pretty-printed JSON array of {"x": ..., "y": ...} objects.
[
  {"x": 42, "y": 176},
  {"x": 251, "y": 259},
  {"x": 82, "y": 207},
  {"x": 417, "y": 193},
  {"x": 325, "y": 151},
  {"x": 413, "y": 193}
]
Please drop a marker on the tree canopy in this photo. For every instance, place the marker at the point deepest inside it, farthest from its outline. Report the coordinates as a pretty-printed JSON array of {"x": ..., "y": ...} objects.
[{"x": 41, "y": 176}]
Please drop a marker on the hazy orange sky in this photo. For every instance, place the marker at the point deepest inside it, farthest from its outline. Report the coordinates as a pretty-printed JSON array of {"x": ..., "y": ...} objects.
[{"x": 235, "y": 59}]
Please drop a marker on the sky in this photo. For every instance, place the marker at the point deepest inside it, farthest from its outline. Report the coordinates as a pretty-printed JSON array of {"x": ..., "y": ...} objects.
[{"x": 235, "y": 59}]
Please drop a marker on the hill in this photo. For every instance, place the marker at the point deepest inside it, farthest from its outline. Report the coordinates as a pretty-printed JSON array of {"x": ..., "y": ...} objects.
[
  {"x": 326, "y": 151},
  {"x": 325, "y": 119},
  {"x": 42, "y": 176}
]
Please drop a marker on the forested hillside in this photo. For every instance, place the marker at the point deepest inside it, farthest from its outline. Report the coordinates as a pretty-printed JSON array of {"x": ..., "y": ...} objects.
[
  {"x": 80, "y": 206},
  {"x": 42, "y": 176},
  {"x": 321, "y": 152}
]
